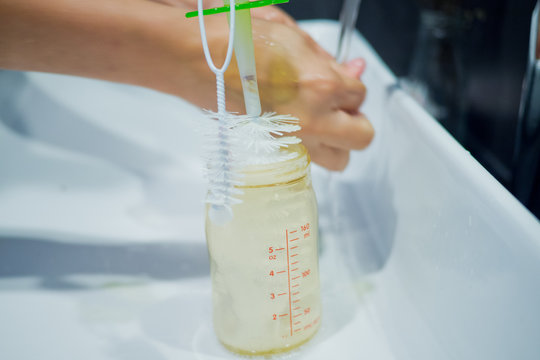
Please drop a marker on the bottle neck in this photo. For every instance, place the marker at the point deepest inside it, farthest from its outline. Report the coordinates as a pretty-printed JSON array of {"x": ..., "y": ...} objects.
[{"x": 293, "y": 169}]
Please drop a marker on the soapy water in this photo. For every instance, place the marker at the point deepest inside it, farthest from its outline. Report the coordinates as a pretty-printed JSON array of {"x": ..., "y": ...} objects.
[
  {"x": 264, "y": 262},
  {"x": 339, "y": 301},
  {"x": 265, "y": 273}
]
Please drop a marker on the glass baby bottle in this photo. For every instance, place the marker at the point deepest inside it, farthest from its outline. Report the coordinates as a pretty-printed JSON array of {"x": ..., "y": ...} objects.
[{"x": 264, "y": 262}]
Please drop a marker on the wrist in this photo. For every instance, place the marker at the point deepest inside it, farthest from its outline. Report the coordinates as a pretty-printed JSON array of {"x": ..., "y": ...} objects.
[{"x": 181, "y": 68}]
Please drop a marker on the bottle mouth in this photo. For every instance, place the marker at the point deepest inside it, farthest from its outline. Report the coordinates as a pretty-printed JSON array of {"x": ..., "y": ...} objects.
[{"x": 282, "y": 172}]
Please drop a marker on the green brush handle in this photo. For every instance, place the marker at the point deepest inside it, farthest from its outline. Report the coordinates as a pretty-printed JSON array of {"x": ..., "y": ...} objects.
[{"x": 243, "y": 6}]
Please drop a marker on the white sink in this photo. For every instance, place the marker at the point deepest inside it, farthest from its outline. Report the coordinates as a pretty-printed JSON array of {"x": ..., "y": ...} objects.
[{"x": 102, "y": 251}]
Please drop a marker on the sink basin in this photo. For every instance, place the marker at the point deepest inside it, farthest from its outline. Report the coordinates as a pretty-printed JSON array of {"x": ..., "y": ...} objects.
[{"x": 424, "y": 255}]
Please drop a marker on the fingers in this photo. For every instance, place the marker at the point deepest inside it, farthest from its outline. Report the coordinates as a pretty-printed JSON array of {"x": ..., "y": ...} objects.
[
  {"x": 275, "y": 14},
  {"x": 347, "y": 131},
  {"x": 340, "y": 129},
  {"x": 331, "y": 139},
  {"x": 329, "y": 157},
  {"x": 355, "y": 68},
  {"x": 351, "y": 96},
  {"x": 352, "y": 92}
]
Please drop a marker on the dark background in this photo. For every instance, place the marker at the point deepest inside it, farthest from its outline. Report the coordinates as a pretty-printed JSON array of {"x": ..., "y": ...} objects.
[{"x": 494, "y": 45}]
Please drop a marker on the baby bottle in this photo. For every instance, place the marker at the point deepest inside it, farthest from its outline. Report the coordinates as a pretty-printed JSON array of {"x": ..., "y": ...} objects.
[{"x": 264, "y": 262}]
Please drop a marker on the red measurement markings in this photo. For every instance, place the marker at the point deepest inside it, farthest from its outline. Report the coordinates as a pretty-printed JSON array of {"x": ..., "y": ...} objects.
[
  {"x": 297, "y": 315},
  {"x": 289, "y": 278},
  {"x": 294, "y": 269},
  {"x": 294, "y": 263},
  {"x": 306, "y": 235},
  {"x": 295, "y": 301},
  {"x": 297, "y": 330},
  {"x": 296, "y": 323},
  {"x": 294, "y": 255},
  {"x": 282, "y": 294},
  {"x": 296, "y": 293},
  {"x": 292, "y": 232},
  {"x": 283, "y": 315},
  {"x": 313, "y": 323},
  {"x": 280, "y": 249},
  {"x": 297, "y": 308},
  {"x": 281, "y": 272},
  {"x": 297, "y": 285},
  {"x": 294, "y": 247},
  {"x": 306, "y": 273},
  {"x": 297, "y": 277},
  {"x": 294, "y": 239}
]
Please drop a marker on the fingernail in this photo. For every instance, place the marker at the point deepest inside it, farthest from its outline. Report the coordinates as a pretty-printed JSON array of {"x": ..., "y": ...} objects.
[{"x": 358, "y": 66}]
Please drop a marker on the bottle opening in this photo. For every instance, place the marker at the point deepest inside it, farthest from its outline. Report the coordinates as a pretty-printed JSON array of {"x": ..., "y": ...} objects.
[{"x": 294, "y": 167}]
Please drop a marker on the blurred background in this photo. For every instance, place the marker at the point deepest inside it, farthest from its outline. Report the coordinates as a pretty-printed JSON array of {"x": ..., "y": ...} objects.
[{"x": 473, "y": 64}]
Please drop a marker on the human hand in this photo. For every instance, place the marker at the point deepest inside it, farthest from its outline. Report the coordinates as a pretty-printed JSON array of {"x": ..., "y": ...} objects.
[
  {"x": 270, "y": 13},
  {"x": 297, "y": 77},
  {"x": 145, "y": 43}
]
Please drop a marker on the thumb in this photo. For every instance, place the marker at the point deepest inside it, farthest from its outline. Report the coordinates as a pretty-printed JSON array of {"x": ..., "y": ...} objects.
[{"x": 354, "y": 68}]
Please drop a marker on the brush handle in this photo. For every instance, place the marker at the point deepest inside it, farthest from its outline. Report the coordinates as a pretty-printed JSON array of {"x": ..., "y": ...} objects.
[
  {"x": 245, "y": 57},
  {"x": 247, "y": 5}
]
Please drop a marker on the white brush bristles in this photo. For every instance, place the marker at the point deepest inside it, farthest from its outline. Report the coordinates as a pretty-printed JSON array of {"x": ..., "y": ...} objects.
[
  {"x": 235, "y": 141},
  {"x": 222, "y": 171}
]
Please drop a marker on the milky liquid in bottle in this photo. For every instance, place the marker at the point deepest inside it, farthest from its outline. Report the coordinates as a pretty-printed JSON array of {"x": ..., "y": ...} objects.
[{"x": 264, "y": 263}]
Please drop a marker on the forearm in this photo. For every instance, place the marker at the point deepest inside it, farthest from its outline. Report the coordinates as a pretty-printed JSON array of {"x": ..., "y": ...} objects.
[
  {"x": 152, "y": 44},
  {"x": 130, "y": 41}
]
